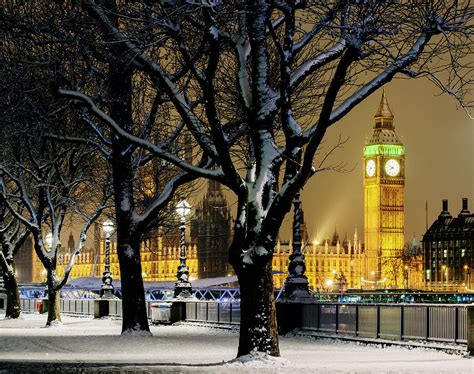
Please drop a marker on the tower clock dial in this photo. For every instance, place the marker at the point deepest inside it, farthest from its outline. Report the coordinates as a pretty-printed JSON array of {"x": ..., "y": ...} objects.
[
  {"x": 392, "y": 167},
  {"x": 370, "y": 168}
]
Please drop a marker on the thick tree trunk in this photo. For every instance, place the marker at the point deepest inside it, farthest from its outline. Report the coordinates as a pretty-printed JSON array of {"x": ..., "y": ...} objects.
[
  {"x": 123, "y": 174},
  {"x": 258, "y": 325},
  {"x": 54, "y": 306},
  {"x": 13, "y": 296},
  {"x": 133, "y": 292}
]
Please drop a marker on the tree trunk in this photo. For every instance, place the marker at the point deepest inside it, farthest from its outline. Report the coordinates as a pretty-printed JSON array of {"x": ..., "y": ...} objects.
[
  {"x": 13, "y": 296},
  {"x": 54, "y": 306},
  {"x": 258, "y": 325},
  {"x": 133, "y": 291}
]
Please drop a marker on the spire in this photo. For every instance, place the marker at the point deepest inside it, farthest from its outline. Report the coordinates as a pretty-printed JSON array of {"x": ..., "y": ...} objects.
[
  {"x": 214, "y": 192},
  {"x": 384, "y": 109},
  {"x": 384, "y": 131},
  {"x": 414, "y": 242}
]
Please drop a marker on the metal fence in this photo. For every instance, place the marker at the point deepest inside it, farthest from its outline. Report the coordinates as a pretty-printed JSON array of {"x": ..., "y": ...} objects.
[
  {"x": 77, "y": 306},
  {"x": 29, "y": 305},
  {"x": 429, "y": 322},
  {"x": 213, "y": 312}
]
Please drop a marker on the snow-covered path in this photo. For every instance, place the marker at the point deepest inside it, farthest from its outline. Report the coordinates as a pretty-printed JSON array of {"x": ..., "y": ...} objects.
[{"x": 184, "y": 348}]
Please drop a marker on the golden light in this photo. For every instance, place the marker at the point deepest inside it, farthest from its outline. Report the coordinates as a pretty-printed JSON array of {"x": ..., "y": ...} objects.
[
  {"x": 329, "y": 282},
  {"x": 372, "y": 273},
  {"x": 316, "y": 242}
]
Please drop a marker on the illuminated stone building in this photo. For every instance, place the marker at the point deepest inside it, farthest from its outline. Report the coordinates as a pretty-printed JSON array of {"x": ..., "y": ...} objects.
[
  {"x": 326, "y": 263},
  {"x": 160, "y": 259},
  {"x": 384, "y": 188},
  {"x": 448, "y": 250}
]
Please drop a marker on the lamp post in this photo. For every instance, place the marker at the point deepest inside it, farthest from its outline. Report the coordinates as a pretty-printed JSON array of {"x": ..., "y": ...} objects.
[
  {"x": 107, "y": 289},
  {"x": 341, "y": 281},
  {"x": 182, "y": 288},
  {"x": 467, "y": 277},
  {"x": 406, "y": 276},
  {"x": 296, "y": 285}
]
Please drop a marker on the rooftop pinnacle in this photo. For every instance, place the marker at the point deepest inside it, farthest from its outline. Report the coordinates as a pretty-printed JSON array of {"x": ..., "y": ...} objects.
[{"x": 384, "y": 109}]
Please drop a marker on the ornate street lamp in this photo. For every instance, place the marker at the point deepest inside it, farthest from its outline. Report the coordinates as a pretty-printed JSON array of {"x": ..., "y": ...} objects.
[
  {"x": 296, "y": 284},
  {"x": 182, "y": 288},
  {"x": 107, "y": 289},
  {"x": 49, "y": 240}
]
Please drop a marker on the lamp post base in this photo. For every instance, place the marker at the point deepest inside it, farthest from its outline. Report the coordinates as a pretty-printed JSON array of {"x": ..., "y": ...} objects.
[
  {"x": 183, "y": 290},
  {"x": 107, "y": 291},
  {"x": 296, "y": 287}
]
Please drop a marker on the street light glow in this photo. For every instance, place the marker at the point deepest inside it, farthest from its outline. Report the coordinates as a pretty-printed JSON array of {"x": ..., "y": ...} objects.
[
  {"x": 183, "y": 208},
  {"x": 108, "y": 227},
  {"x": 49, "y": 240}
]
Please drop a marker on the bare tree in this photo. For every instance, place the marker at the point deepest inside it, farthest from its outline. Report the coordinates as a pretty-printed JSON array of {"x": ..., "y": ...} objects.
[
  {"x": 144, "y": 186},
  {"x": 12, "y": 237},
  {"x": 39, "y": 185},
  {"x": 257, "y": 84},
  {"x": 295, "y": 68}
]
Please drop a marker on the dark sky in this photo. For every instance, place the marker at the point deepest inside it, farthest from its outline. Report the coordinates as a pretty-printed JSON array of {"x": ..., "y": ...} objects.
[{"x": 439, "y": 161}]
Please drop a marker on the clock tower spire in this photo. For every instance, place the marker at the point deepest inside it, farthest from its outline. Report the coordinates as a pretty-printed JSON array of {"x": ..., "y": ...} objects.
[{"x": 384, "y": 190}]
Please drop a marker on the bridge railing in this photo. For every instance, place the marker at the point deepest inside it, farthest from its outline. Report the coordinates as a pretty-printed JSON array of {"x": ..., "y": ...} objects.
[
  {"x": 213, "y": 312},
  {"x": 430, "y": 322},
  {"x": 453, "y": 323}
]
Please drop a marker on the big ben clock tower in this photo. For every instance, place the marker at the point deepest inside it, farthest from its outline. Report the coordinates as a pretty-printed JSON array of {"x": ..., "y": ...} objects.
[{"x": 384, "y": 188}]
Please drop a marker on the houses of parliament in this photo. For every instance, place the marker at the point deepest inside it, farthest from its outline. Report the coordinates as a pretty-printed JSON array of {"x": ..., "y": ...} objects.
[{"x": 374, "y": 262}]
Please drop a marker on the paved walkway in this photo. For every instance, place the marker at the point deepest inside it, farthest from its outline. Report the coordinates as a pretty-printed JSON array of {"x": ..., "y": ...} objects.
[{"x": 88, "y": 345}]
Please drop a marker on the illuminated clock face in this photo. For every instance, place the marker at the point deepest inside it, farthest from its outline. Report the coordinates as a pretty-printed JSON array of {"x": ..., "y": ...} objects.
[
  {"x": 370, "y": 168},
  {"x": 392, "y": 168}
]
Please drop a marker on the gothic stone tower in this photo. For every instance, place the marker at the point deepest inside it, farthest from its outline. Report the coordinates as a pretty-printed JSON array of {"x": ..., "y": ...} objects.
[
  {"x": 384, "y": 187},
  {"x": 211, "y": 231}
]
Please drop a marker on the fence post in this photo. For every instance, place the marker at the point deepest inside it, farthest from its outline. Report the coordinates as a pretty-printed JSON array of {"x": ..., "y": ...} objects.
[
  {"x": 470, "y": 329},
  {"x": 427, "y": 322},
  {"x": 402, "y": 321},
  {"x": 456, "y": 324},
  {"x": 218, "y": 312},
  {"x": 318, "y": 317},
  {"x": 357, "y": 321},
  {"x": 377, "y": 333},
  {"x": 230, "y": 312},
  {"x": 337, "y": 317}
]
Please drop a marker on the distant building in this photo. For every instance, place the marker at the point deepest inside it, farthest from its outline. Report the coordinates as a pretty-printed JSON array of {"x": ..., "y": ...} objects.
[
  {"x": 206, "y": 248},
  {"x": 211, "y": 231},
  {"x": 329, "y": 266},
  {"x": 384, "y": 189},
  {"x": 448, "y": 250}
]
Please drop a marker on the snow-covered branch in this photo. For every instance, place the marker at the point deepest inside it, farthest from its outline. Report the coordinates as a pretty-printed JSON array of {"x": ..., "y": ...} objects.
[{"x": 165, "y": 155}]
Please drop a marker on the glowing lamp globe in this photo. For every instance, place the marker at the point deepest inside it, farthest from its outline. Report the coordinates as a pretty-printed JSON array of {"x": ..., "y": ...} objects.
[
  {"x": 49, "y": 240},
  {"x": 183, "y": 208},
  {"x": 108, "y": 227}
]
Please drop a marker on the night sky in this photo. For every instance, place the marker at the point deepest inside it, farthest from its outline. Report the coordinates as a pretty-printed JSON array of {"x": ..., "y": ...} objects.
[{"x": 439, "y": 162}]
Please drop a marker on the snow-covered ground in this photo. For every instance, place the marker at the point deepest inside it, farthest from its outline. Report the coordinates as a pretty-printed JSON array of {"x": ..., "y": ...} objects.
[{"x": 97, "y": 344}]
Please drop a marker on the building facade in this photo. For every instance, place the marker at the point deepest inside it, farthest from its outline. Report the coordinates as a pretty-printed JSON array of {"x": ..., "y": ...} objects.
[
  {"x": 384, "y": 189},
  {"x": 330, "y": 266},
  {"x": 211, "y": 232},
  {"x": 448, "y": 251}
]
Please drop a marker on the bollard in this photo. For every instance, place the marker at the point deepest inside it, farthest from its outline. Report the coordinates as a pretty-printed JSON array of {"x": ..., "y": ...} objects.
[{"x": 101, "y": 308}]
